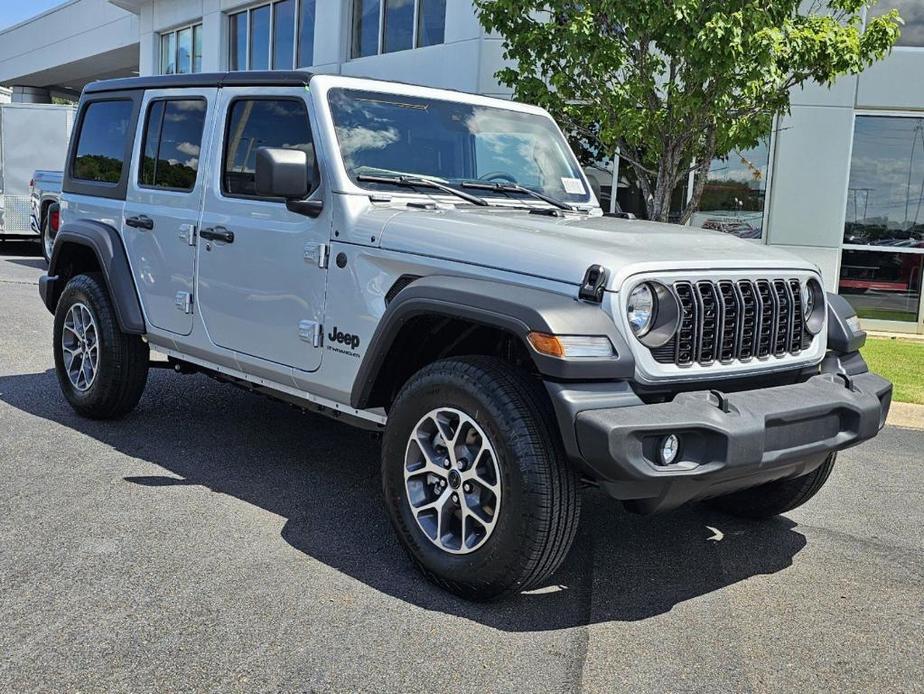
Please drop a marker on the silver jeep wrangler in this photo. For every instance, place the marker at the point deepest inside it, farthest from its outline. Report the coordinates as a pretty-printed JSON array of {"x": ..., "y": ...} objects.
[{"x": 433, "y": 265}]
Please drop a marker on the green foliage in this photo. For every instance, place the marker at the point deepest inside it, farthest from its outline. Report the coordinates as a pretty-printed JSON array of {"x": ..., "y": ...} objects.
[{"x": 670, "y": 82}]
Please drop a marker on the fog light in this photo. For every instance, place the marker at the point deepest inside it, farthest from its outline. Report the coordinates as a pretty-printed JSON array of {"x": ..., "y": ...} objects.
[{"x": 670, "y": 448}]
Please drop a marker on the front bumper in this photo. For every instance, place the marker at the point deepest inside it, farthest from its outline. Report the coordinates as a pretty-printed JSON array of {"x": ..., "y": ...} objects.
[{"x": 728, "y": 442}]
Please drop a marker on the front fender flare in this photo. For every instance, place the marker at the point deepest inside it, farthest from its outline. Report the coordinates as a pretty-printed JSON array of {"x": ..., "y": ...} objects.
[
  {"x": 106, "y": 244},
  {"x": 516, "y": 309}
]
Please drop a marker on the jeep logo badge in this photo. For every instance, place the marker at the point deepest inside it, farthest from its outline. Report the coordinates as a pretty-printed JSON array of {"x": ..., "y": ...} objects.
[{"x": 343, "y": 338}]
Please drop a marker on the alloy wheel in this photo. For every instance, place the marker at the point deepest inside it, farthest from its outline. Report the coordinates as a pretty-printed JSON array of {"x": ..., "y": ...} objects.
[
  {"x": 80, "y": 345},
  {"x": 452, "y": 480}
]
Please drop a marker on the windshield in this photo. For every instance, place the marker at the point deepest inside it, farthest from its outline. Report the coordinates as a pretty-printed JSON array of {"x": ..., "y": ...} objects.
[{"x": 391, "y": 135}]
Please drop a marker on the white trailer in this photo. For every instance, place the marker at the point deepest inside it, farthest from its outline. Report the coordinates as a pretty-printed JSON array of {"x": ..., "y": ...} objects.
[{"x": 32, "y": 136}]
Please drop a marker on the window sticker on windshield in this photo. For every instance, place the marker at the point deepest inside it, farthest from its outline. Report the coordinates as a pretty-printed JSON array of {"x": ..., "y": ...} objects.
[{"x": 573, "y": 186}]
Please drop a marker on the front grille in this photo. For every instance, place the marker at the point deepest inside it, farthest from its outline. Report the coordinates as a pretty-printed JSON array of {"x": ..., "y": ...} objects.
[{"x": 726, "y": 321}]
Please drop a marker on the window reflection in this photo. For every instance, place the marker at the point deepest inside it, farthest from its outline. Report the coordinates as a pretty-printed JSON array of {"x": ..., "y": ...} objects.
[
  {"x": 912, "y": 12},
  {"x": 431, "y": 22},
  {"x": 283, "y": 34},
  {"x": 260, "y": 38},
  {"x": 306, "y": 33},
  {"x": 735, "y": 192},
  {"x": 365, "y": 28},
  {"x": 399, "y": 25},
  {"x": 885, "y": 198},
  {"x": 238, "y": 41},
  {"x": 882, "y": 286}
]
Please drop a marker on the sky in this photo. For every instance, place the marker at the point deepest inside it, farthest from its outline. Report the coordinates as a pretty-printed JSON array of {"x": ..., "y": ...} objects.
[{"x": 15, "y": 11}]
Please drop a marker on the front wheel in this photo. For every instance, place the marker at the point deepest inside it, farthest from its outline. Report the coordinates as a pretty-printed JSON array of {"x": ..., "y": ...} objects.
[
  {"x": 777, "y": 497},
  {"x": 102, "y": 371},
  {"x": 475, "y": 479}
]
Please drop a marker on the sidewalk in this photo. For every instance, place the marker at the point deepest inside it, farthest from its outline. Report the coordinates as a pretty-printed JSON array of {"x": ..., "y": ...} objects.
[{"x": 906, "y": 416}]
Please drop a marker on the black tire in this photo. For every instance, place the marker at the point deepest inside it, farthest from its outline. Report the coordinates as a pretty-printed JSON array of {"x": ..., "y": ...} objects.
[
  {"x": 777, "y": 497},
  {"x": 122, "y": 370},
  {"x": 46, "y": 241},
  {"x": 538, "y": 514}
]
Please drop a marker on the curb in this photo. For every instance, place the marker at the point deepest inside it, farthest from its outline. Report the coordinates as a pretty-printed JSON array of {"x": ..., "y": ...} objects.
[{"x": 906, "y": 416}]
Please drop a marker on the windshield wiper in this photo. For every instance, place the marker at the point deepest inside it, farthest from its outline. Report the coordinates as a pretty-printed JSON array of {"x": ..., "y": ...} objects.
[
  {"x": 414, "y": 182},
  {"x": 517, "y": 188}
]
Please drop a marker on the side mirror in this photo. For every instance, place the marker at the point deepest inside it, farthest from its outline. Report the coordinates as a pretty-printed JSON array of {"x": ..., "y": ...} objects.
[{"x": 283, "y": 173}]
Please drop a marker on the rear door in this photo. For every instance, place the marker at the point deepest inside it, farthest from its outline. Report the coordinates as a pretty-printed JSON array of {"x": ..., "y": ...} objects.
[
  {"x": 261, "y": 290},
  {"x": 164, "y": 200}
]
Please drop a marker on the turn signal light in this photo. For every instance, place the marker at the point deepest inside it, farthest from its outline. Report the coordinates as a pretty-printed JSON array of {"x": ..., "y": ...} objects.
[{"x": 571, "y": 346}]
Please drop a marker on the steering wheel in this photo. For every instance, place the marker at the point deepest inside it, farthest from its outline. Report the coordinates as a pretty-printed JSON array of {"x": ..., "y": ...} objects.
[{"x": 497, "y": 175}]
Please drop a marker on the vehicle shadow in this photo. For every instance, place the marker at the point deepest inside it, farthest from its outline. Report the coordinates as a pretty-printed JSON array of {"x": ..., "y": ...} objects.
[
  {"x": 37, "y": 263},
  {"x": 322, "y": 477},
  {"x": 20, "y": 247}
]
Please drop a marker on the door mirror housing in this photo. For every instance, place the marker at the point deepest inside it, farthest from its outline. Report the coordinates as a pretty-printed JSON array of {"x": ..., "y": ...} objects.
[
  {"x": 284, "y": 173},
  {"x": 288, "y": 174}
]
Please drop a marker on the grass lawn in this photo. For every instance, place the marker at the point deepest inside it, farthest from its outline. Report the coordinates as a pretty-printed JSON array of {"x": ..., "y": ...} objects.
[{"x": 902, "y": 362}]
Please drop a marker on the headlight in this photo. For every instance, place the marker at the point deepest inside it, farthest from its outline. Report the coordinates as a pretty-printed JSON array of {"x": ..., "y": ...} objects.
[
  {"x": 813, "y": 301},
  {"x": 641, "y": 309}
]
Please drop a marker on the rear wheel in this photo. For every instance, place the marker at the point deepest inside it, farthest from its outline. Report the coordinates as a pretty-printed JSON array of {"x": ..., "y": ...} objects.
[
  {"x": 475, "y": 479},
  {"x": 47, "y": 239},
  {"x": 101, "y": 370},
  {"x": 777, "y": 497}
]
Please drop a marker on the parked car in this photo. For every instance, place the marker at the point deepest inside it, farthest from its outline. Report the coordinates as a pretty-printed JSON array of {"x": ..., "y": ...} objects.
[
  {"x": 44, "y": 192},
  {"x": 433, "y": 266},
  {"x": 32, "y": 136}
]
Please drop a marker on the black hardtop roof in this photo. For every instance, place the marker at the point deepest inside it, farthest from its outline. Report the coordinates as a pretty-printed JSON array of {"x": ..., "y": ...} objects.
[{"x": 256, "y": 78}]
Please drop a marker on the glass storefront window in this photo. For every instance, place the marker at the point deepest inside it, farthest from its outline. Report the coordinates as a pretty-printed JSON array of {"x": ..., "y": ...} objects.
[
  {"x": 181, "y": 51},
  {"x": 398, "y": 34},
  {"x": 237, "y": 58},
  {"x": 735, "y": 193},
  {"x": 306, "y": 15},
  {"x": 885, "y": 197},
  {"x": 881, "y": 285},
  {"x": 431, "y": 22},
  {"x": 260, "y": 38},
  {"x": 283, "y": 34},
  {"x": 396, "y": 25},
  {"x": 912, "y": 12},
  {"x": 168, "y": 53}
]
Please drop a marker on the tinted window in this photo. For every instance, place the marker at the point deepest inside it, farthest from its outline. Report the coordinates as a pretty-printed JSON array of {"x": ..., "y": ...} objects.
[
  {"x": 306, "y": 33},
  {"x": 365, "y": 27},
  {"x": 399, "y": 25},
  {"x": 260, "y": 38},
  {"x": 255, "y": 123},
  {"x": 283, "y": 34},
  {"x": 882, "y": 286},
  {"x": 238, "y": 41},
  {"x": 172, "y": 142},
  {"x": 431, "y": 22},
  {"x": 103, "y": 136}
]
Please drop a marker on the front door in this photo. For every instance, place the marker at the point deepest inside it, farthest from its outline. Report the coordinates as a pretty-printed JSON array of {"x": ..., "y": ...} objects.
[
  {"x": 164, "y": 200},
  {"x": 260, "y": 286}
]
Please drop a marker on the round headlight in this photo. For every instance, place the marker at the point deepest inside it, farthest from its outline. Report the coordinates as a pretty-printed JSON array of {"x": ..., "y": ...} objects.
[
  {"x": 641, "y": 309},
  {"x": 813, "y": 302},
  {"x": 808, "y": 301}
]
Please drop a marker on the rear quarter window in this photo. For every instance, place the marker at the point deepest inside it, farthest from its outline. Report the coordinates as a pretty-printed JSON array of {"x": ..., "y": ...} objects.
[{"x": 101, "y": 144}]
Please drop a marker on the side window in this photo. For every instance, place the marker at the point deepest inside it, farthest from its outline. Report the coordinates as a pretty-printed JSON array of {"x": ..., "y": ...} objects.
[
  {"x": 172, "y": 142},
  {"x": 104, "y": 133},
  {"x": 255, "y": 123}
]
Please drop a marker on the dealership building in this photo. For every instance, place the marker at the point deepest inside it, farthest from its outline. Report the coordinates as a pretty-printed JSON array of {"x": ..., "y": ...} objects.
[{"x": 840, "y": 181}]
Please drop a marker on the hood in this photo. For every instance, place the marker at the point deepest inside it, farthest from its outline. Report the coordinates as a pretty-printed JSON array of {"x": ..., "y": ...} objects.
[{"x": 562, "y": 248}]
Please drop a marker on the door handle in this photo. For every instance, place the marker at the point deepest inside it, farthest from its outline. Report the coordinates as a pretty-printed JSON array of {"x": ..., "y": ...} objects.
[
  {"x": 140, "y": 222},
  {"x": 217, "y": 234}
]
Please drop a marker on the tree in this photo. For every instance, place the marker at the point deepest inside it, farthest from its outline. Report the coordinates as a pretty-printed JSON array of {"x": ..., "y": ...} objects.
[{"x": 673, "y": 84}]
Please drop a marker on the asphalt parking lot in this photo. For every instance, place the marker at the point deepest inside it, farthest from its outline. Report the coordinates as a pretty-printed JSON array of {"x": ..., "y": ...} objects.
[{"x": 218, "y": 540}]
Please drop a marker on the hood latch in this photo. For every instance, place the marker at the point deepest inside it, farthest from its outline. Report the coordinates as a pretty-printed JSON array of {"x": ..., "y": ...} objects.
[{"x": 593, "y": 284}]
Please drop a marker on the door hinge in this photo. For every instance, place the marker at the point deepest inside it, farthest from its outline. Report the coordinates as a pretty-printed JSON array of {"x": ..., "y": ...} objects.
[
  {"x": 317, "y": 253},
  {"x": 310, "y": 331},
  {"x": 188, "y": 234},
  {"x": 184, "y": 302}
]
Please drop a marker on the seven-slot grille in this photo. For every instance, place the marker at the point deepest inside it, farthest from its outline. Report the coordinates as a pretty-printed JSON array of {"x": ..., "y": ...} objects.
[{"x": 736, "y": 320}]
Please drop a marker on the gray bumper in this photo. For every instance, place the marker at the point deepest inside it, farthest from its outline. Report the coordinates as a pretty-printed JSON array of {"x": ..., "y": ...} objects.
[{"x": 729, "y": 442}]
